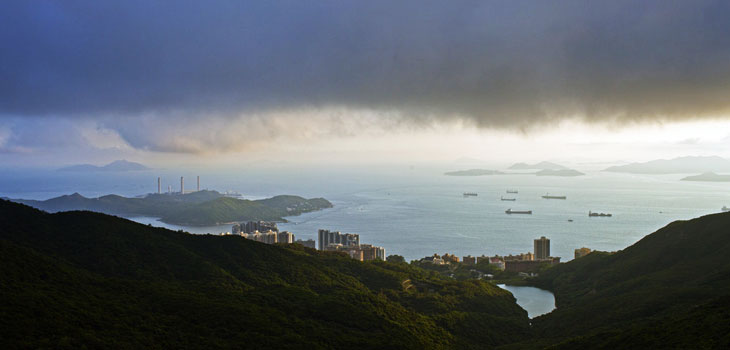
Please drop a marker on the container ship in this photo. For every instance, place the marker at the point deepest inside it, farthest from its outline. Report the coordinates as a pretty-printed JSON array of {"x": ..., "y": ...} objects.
[
  {"x": 592, "y": 214},
  {"x": 508, "y": 199},
  {"x": 510, "y": 211},
  {"x": 470, "y": 194},
  {"x": 548, "y": 196},
  {"x": 511, "y": 191}
]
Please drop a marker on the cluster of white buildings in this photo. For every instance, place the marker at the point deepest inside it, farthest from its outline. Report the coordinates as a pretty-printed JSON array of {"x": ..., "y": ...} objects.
[
  {"x": 266, "y": 232},
  {"x": 348, "y": 243}
]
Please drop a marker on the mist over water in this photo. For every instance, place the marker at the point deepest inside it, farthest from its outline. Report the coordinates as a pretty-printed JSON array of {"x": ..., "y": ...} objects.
[{"x": 416, "y": 212}]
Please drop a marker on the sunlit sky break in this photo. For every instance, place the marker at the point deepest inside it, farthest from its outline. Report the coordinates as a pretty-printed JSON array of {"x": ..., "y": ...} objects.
[{"x": 224, "y": 82}]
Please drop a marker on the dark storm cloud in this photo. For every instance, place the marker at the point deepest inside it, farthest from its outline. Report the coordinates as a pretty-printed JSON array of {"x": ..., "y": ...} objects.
[{"x": 498, "y": 63}]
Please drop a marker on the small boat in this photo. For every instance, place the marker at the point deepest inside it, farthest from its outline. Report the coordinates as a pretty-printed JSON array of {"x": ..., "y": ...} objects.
[
  {"x": 592, "y": 214},
  {"x": 725, "y": 209},
  {"x": 470, "y": 194},
  {"x": 570, "y": 220},
  {"x": 508, "y": 199},
  {"x": 510, "y": 211},
  {"x": 548, "y": 196},
  {"x": 511, "y": 191}
]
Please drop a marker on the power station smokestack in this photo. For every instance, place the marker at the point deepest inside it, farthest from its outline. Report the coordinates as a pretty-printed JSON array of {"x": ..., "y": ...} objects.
[
  {"x": 159, "y": 186},
  {"x": 198, "y": 182},
  {"x": 182, "y": 185}
]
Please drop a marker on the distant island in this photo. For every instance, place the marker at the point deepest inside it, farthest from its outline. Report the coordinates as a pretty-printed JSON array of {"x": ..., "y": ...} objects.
[
  {"x": 115, "y": 166},
  {"x": 474, "y": 172},
  {"x": 675, "y": 166},
  {"x": 561, "y": 172},
  {"x": 709, "y": 177},
  {"x": 544, "y": 172},
  {"x": 539, "y": 166},
  {"x": 201, "y": 208}
]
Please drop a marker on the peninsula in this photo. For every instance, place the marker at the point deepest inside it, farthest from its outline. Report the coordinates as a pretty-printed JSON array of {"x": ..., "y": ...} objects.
[{"x": 200, "y": 208}]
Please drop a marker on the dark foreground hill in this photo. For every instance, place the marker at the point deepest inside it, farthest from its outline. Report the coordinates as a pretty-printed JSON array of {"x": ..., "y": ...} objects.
[
  {"x": 201, "y": 208},
  {"x": 88, "y": 280},
  {"x": 669, "y": 290}
]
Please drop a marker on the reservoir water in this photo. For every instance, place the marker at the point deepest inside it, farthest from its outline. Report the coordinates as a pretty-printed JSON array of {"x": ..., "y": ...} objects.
[{"x": 535, "y": 301}]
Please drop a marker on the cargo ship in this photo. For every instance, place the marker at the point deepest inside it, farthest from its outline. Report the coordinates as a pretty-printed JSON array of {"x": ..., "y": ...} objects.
[
  {"x": 548, "y": 196},
  {"x": 508, "y": 199},
  {"x": 470, "y": 194},
  {"x": 510, "y": 211},
  {"x": 511, "y": 191},
  {"x": 592, "y": 214}
]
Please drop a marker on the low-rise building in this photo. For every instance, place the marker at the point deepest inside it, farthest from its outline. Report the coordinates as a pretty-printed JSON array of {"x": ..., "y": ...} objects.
[
  {"x": 498, "y": 262},
  {"x": 434, "y": 259},
  {"x": 524, "y": 256},
  {"x": 469, "y": 260},
  {"x": 448, "y": 258},
  {"x": 482, "y": 258}
]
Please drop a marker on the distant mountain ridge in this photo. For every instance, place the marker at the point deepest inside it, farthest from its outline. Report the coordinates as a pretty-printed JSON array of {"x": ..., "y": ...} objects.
[
  {"x": 538, "y": 166},
  {"x": 561, "y": 172},
  {"x": 474, "y": 172},
  {"x": 121, "y": 165},
  {"x": 201, "y": 208},
  {"x": 678, "y": 165},
  {"x": 544, "y": 172}
]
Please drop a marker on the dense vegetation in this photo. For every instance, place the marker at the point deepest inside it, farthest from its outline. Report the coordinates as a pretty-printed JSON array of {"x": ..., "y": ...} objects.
[
  {"x": 195, "y": 209},
  {"x": 86, "y": 280},
  {"x": 669, "y": 290},
  {"x": 462, "y": 272}
]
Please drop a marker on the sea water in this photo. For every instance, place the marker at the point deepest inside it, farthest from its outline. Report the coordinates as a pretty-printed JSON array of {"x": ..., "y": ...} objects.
[{"x": 419, "y": 212}]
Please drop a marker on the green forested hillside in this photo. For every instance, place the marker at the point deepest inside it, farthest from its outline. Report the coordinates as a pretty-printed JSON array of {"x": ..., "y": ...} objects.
[
  {"x": 670, "y": 289},
  {"x": 83, "y": 280},
  {"x": 199, "y": 208}
]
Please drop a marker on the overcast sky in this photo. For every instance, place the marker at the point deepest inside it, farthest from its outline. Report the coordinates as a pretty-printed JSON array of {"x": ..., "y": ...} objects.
[{"x": 202, "y": 81}]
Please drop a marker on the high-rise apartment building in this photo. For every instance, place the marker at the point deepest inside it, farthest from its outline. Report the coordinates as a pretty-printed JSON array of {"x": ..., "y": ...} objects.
[
  {"x": 327, "y": 237},
  {"x": 542, "y": 248}
]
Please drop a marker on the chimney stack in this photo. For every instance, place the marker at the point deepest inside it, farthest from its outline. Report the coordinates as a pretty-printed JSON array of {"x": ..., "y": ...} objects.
[
  {"x": 198, "y": 183},
  {"x": 182, "y": 185},
  {"x": 159, "y": 186}
]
